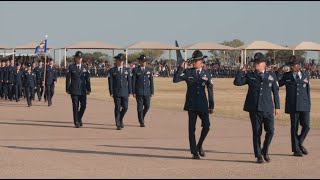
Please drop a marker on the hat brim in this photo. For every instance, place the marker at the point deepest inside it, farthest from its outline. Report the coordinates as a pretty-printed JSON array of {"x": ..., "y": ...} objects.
[
  {"x": 198, "y": 58},
  {"x": 144, "y": 60},
  {"x": 116, "y": 58}
]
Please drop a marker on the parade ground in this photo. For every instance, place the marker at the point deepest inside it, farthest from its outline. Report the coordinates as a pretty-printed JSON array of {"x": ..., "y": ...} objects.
[{"x": 41, "y": 141}]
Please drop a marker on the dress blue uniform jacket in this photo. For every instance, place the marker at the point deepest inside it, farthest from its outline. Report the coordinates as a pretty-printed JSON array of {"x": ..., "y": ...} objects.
[
  {"x": 29, "y": 80},
  {"x": 142, "y": 83},
  {"x": 297, "y": 92},
  {"x": 18, "y": 78},
  {"x": 9, "y": 74},
  {"x": 120, "y": 85},
  {"x": 51, "y": 75},
  {"x": 39, "y": 74},
  {"x": 78, "y": 81},
  {"x": 196, "y": 99},
  {"x": 259, "y": 97}
]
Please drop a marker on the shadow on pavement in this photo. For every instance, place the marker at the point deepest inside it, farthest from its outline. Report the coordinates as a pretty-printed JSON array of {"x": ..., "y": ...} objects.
[
  {"x": 118, "y": 154},
  {"x": 183, "y": 150},
  {"x": 56, "y": 126}
]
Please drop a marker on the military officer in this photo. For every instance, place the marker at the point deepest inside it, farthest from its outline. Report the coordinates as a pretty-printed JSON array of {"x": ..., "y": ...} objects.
[
  {"x": 142, "y": 88},
  {"x": 39, "y": 73},
  {"x": 197, "y": 79},
  {"x": 18, "y": 80},
  {"x": 298, "y": 103},
  {"x": 78, "y": 86},
  {"x": 2, "y": 71},
  {"x": 29, "y": 79},
  {"x": 120, "y": 87},
  {"x": 50, "y": 80},
  {"x": 259, "y": 103},
  {"x": 9, "y": 79}
]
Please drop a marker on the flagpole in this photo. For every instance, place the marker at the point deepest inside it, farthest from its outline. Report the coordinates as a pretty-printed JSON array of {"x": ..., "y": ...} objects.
[{"x": 45, "y": 69}]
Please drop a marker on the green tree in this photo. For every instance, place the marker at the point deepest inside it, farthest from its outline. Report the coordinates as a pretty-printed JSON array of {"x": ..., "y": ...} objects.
[
  {"x": 228, "y": 55},
  {"x": 153, "y": 54}
]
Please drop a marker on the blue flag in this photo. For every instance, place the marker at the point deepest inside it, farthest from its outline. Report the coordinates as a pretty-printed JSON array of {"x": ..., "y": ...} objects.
[{"x": 41, "y": 48}]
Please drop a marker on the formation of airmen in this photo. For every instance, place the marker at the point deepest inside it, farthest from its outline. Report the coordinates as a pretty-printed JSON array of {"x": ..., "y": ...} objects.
[
  {"x": 25, "y": 80},
  {"x": 262, "y": 101}
]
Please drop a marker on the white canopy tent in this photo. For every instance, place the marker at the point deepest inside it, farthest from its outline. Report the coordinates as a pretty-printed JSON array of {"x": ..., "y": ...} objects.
[
  {"x": 258, "y": 45},
  {"x": 90, "y": 45},
  {"x": 206, "y": 46}
]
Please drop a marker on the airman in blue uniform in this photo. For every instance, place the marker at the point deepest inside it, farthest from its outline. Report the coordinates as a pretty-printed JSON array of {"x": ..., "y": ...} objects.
[
  {"x": 142, "y": 88},
  {"x": 259, "y": 103},
  {"x": 2, "y": 71},
  {"x": 298, "y": 103},
  {"x": 78, "y": 86},
  {"x": 197, "y": 103},
  {"x": 18, "y": 81},
  {"x": 51, "y": 79},
  {"x": 39, "y": 73},
  {"x": 120, "y": 87},
  {"x": 29, "y": 79}
]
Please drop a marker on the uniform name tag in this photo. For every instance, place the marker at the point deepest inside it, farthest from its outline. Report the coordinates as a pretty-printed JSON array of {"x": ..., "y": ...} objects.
[
  {"x": 288, "y": 80},
  {"x": 270, "y": 78},
  {"x": 148, "y": 72},
  {"x": 205, "y": 78},
  {"x": 84, "y": 70},
  {"x": 306, "y": 80},
  {"x": 190, "y": 77},
  {"x": 253, "y": 78}
]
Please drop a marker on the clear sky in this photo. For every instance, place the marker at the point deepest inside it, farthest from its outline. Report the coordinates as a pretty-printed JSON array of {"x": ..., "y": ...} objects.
[{"x": 123, "y": 23}]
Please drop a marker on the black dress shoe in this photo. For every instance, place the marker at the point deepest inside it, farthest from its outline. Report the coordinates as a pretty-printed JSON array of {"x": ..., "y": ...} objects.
[
  {"x": 265, "y": 156},
  {"x": 142, "y": 125},
  {"x": 196, "y": 156},
  {"x": 201, "y": 152},
  {"x": 118, "y": 128},
  {"x": 122, "y": 126},
  {"x": 304, "y": 150},
  {"x": 298, "y": 154},
  {"x": 77, "y": 126},
  {"x": 29, "y": 105},
  {"x": 259, "y": 160},
  {"x": 80, "y": 123}
]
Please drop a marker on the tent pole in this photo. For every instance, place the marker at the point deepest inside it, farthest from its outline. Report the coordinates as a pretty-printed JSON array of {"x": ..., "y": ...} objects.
[
  {"x": 112, "y": 52},
  {"x": 13, "y": 54},
  {"x": 4, "y": 53},
  {"x": 65, "y": 58},
  {"x": 59, "y": 58},
  {"x": 245, "y": 56},
  {"x": 185, "y": 54},
  {"x": 292, "y": 52},
  {"x": 126, "y": 57},
  {"x": 169, "y": 59}
]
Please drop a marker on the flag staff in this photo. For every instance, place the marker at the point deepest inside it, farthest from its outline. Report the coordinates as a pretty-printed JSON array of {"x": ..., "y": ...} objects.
[{"x": 45, "y": 67}]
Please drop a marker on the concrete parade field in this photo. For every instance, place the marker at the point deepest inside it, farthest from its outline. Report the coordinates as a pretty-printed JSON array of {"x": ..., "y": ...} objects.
[{"x": 41, "y": 142}]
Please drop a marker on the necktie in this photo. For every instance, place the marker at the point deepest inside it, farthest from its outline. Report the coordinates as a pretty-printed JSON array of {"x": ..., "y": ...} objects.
[
  {"x": 143, "y": 69},
  {"x": 261, "y": 75},
  {"x": 295, "y": 76},
  {"x": 120, "y": 70},
  {"x": 198, "y": 74}
]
